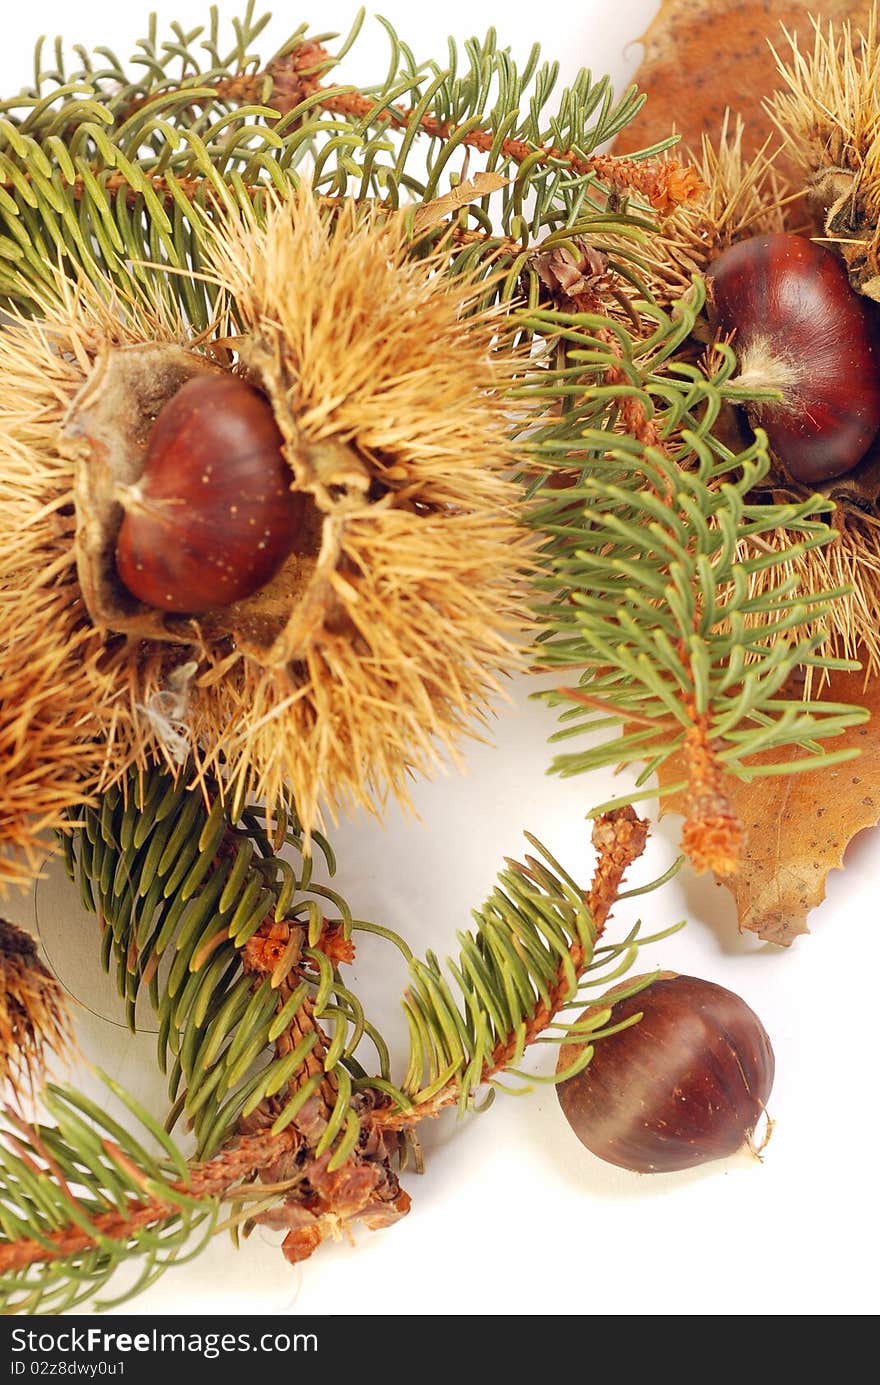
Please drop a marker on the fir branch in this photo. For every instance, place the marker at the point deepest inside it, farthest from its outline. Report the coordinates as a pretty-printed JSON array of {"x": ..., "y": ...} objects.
[
  {"x": 663, "y": 183},
  {"x": 535, "y": 947},
  {"x": 254, "y": 1017},
  {"x": 292, "y": 1129},
  {"x": 207, "y": 1181},
  {"x": 255, "y": 1020},
  {"x": 171, "y": 874},
  {"x": 646, "y": 516},
  {"x": 81, "y": 1195},
  {"x": 100, "y": 168}
]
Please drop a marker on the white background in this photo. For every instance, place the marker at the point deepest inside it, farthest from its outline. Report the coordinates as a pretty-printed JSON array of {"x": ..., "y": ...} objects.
[{"x": 512, "y": 1215}]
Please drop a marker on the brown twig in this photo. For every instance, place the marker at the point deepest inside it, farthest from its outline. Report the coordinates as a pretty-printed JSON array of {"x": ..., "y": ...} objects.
[
  {"x": 632, "y": 412},
  {"x": 664, "y": 183},
  {"x": 215, "y": 1179},
  {"x": 619, "y": 838},
  {"x": 365, "y": 1187},
  {"x": 296, "y": 77},
  {"x": 713, "y": 834},
  {"x": 276, "y": 951}
]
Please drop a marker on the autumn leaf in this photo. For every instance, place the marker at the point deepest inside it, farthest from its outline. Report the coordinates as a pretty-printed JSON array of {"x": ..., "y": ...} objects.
[
  {"x": 432, "y": 214},
  {"x": 797, "y": 826},
  {"x": 702, "y": 56}
]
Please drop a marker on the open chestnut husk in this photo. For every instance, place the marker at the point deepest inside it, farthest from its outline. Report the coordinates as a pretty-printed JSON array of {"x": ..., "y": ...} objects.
[
  {"x": 685, "y": 1084},
  {"x": 798, "y": 327},
  {"x": 404, "y": 592},
  {"x": 212, "y": 517}
]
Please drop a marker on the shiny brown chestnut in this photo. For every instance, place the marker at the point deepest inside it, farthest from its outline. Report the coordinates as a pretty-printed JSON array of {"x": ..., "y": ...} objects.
[
  {"x": 212, "y": 518},
  {"x": 800, "y": 328},
  {"x": 684, "y": 1085}
]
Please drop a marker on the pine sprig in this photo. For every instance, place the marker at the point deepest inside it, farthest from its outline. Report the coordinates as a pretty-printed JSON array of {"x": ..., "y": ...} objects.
[
  {"x": 100, "y": 164},
  {"x": 533, "y": 954},
  {"x": 649, "y": 596},
  {"x": 230, "y": 940},
  {"x": 243, "y": 968},
  {"x": 310, "y": 1134},
  {"x": 82, "y": 1195}
]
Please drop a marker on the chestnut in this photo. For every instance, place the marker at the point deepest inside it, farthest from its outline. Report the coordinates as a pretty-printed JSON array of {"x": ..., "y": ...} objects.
[
  {"x": 212, "y": 518},
  {"x": 684, "y": 1085},
  {"x": 800, "y": 328}
]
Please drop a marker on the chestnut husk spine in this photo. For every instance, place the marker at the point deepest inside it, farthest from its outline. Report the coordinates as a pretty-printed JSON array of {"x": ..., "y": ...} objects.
[{"x": 684, "y": 1085}]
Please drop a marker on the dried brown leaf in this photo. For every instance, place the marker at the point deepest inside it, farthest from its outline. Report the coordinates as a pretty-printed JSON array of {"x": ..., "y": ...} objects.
[
  {"x": 797, "y": 826},
  {"x": 702, "y": 56},
  {"x": 433, "y": 213}
]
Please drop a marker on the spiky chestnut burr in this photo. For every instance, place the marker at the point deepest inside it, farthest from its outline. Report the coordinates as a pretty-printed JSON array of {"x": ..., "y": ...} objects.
[
  {"x": 798, "y": 327},
  {"x": 684, "y": 1085},
  {"x": 212, "y": 518},
  {"x": 34, "y": 1022},
  {"x": 402, "y": 599}
]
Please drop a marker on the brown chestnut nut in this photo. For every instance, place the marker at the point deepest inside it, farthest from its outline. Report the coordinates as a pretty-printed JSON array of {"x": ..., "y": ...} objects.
[
  {"x": 212, "y": 518},
  {"x": 686, "y": 1084},
  {"x": 800, "y": 328}
]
